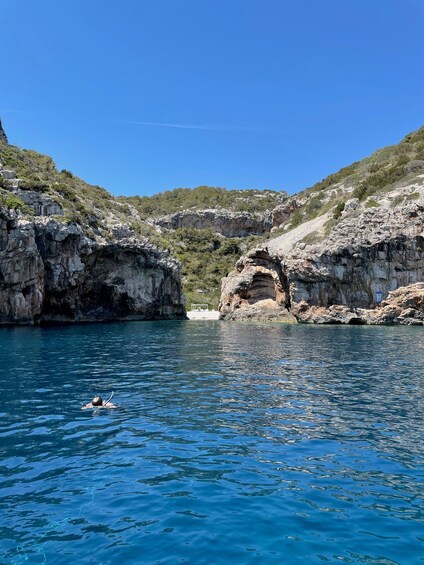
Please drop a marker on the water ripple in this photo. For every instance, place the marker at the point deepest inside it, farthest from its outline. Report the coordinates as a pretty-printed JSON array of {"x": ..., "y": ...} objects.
[{"x": 232, "y": 443}]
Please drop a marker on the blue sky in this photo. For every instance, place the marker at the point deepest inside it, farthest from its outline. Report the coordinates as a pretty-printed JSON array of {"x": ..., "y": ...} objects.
[{"x": 141, "y": 96}]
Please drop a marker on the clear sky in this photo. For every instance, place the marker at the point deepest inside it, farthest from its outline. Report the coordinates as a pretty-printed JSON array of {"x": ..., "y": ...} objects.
[{"x": 141, "y": 96}]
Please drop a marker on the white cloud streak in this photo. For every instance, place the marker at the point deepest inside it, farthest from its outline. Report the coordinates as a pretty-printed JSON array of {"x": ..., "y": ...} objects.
[{"x": 209, "y": 127}]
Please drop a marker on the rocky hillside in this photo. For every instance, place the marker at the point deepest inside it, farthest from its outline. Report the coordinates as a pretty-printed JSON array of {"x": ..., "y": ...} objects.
[
  {"x": 204, "y": 228},
  {"x": 351, "y": 240},
  {"x": 206, "y": 197},
  {"x": 207, "y": 228},
  {"x": 70, "y": 252}
]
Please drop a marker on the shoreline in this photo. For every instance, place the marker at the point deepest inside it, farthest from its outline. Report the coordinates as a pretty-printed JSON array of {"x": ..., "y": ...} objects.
[{"x": 203, "y": 315}]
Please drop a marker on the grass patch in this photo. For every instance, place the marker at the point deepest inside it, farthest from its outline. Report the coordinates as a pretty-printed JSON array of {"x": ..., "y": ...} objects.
[
  {"x": 397, "y": 200},
  {"x": 11, "y": 202},
  {"x": 371, "y": 203}
]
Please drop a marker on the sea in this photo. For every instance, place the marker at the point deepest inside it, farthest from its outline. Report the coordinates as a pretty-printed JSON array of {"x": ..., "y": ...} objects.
[{"x": 241, "y": 443}]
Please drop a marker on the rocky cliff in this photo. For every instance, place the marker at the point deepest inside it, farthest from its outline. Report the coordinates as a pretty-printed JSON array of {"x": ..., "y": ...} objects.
[
  {"x": 230, "y": 223},
  {"x": 68, "y": 255},
  {"x": 220, "y": 220},
  {"x": 72, "y": 252},
  {"x": 206, "y": 227},
  {"x": 52, "y": 272},
  {"x": 339, "y": 265}
]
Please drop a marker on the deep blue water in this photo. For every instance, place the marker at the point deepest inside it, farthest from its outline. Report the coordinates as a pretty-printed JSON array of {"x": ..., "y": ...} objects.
[{"x": 233, "y": 443}]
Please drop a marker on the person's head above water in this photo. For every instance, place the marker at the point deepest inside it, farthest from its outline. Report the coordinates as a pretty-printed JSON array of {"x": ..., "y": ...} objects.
[{"x": 98, "y": 402}]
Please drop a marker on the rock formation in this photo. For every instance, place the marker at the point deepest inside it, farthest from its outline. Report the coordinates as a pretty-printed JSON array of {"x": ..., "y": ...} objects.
[
  {"x": 338, "y": 278},
  {"x": 404, "y": 305},
  {"x": 52, "y": 272},
  {"x": 256, "y": 289},
  {"x": 84, "y": 266},
  {"x": 220, "y": 220},
  {"x": 70, "y": 251}
]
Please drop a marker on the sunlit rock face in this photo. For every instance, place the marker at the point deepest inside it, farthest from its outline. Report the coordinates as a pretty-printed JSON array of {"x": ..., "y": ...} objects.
[
  {"x": 402, "y": 306},
  {"x": 256, "y": 289},
  {"x": 370, "y": 253},
  {"x": 52, "y": 272}
]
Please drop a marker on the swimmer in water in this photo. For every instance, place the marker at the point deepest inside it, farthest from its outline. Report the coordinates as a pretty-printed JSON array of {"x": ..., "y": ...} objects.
[{"x": 98, "y": 402}]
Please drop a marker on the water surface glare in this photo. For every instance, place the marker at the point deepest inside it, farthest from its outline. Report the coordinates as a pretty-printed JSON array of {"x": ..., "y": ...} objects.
[{"x": 233, "y": 443}]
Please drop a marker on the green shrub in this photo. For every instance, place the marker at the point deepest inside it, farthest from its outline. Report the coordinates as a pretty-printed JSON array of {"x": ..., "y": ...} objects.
[
  {"x": 229, "y": 247},
  {"x": 338, "y": 210},
  {"x": 374, "y": 168},
  {"x": 371, "y": 203},
  {"x": 12, "y": 202},
  {"x": 380, "y": 180},
  {"x": 66, "y": 191},
  {"x": 33, "y": 184},
  {"x": 360, "y": 191},
  {"x": 296, "y": 218},
  {"x": 336, "y": 177},
  {"x": 312, "y": 208},
  {"x": 397, "y": 200}
]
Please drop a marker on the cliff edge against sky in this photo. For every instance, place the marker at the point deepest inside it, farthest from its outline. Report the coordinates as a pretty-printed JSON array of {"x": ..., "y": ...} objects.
[
  {"x": 334, "y": 253},
  {"x": 68, "y": 253},
  {"x": 353, "y": 239}
]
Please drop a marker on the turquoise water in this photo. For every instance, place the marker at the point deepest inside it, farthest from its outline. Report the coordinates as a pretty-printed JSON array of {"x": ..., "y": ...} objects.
[{"x": 234, "y": 443}]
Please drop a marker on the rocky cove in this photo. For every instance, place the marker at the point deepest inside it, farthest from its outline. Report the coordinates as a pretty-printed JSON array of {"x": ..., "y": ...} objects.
[{"x": 71, "y": 252}]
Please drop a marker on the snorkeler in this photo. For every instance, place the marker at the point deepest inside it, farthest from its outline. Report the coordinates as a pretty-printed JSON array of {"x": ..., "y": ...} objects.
[{"x": 98, "y": 402}]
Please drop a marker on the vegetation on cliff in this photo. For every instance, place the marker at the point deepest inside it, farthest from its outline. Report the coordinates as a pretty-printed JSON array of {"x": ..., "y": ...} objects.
[
  {"x": 85, "y": 204},
  {"x": 204, "y": 197},
  {"x": 381, "y": 172},
  {"x": 206, "y": 256}
]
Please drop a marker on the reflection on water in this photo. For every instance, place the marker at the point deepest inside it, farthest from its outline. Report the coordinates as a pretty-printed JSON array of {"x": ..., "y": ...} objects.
[{"x": 233, "y": 443}]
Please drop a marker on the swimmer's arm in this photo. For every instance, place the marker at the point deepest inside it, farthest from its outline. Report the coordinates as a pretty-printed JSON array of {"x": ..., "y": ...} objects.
[{"x": 86, "y": 406}]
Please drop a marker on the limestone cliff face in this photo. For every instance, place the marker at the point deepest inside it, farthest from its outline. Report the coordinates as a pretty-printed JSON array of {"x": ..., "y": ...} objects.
[
  {"x": 220, "y": 220},
  {"x": 51, "y": 272},
  {"x": 21, "y": 272},
  {"x": 372, "y": 250}
]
